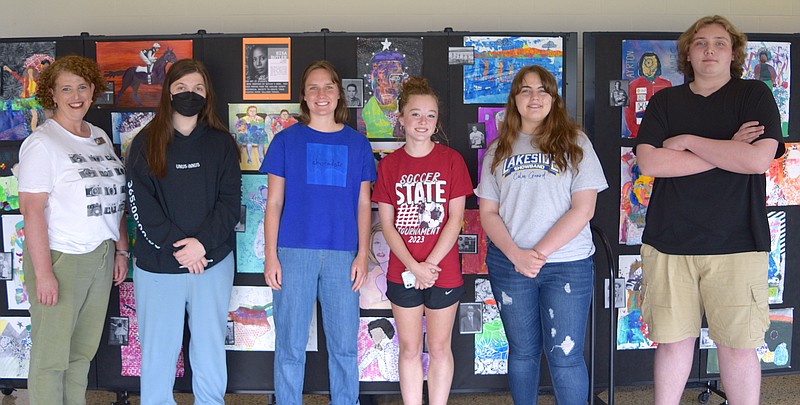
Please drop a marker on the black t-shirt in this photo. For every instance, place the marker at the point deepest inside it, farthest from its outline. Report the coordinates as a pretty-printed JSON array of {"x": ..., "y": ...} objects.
[{"x": 717, "y": 211}]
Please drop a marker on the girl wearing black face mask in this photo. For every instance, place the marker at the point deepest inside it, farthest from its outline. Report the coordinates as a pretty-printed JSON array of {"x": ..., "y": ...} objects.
[{"x": 184, "y": 187}]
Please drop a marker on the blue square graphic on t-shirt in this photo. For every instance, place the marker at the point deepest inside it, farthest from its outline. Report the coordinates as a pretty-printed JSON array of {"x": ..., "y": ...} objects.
[{"x": 326, "y": 165}]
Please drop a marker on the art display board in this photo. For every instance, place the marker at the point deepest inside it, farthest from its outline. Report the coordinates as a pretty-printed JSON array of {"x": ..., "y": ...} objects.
[
  {"x": 399, "y": 55},
  {"x": 611, "y": 57}
]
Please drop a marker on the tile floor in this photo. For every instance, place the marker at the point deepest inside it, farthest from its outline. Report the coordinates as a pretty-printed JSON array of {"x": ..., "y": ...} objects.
[{"x": 775, "y": 390}]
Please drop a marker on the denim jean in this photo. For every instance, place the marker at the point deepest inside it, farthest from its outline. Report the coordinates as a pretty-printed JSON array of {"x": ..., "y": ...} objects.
[
  {"x": 308, "y": 275},
  {"x": 549, "y": 313}
]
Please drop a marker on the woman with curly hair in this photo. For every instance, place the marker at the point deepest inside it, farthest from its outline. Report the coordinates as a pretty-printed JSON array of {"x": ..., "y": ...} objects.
[{"x": 72, "y": 196}]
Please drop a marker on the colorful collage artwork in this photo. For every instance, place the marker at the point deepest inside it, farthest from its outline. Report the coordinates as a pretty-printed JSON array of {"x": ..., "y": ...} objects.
[
  {"x": 138, "y": 68},
  {"x": 632, "y": 332},
  {"x": 491, "y": 345},
  {"x": 250, "y": 313},
  {"x": 492, "y": 118},
  {"x": 15, "y": 347},
  {"x": 770, "y": 62},
  {"x": 131, "y": 353},
  {"x": 777, "y": 255},
  {"x": 649, "y": 66},
  {"x": 783, "y": 178},
  {"x": 776, "y": 352},
  {"x": 384, "y": 64},
  {"x": 373, "y": 291},
  {"x": 13, "y": 236},
  {"x": 474, "y": 263},
  {"x": 379, "y": 350},
  {"x": 634, "y": 198},
  {"x": 9, "y": 186},
  {"x": 21, "y": 63},
  {"x": 125, "y": 126},
  {"x": 497, "y": 60},
  {"x": 250, "y": 243},
  {"x": 254, "y": 126}
]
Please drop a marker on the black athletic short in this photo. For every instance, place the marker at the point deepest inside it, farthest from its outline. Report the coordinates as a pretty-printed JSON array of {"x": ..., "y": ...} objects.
[{"x": 433, "y": 298}]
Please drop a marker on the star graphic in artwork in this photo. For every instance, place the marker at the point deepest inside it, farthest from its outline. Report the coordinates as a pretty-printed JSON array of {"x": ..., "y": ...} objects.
[
  {"x": 386, "y": 44},
  {"x": 19, "y": 324}
]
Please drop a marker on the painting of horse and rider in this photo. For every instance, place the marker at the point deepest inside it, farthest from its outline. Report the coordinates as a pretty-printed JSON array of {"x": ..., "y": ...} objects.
[{"x": 138, "y": 68}]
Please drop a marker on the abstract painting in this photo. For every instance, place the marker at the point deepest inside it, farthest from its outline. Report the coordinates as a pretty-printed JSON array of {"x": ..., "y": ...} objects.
[
  {"x": 250, "y": 243},
  {"x": 385, "y": 63},
  {"x": 491, "y": 345},
  {"x": 497, "y": 60},
  {"x": 635, "y": 190},
  {"x": 250, "y": 311},
  {"x": 632, "y": 332},
  {"x": 15, "y": 347}
]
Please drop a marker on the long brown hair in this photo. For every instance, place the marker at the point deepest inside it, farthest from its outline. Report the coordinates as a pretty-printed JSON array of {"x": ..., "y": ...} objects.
[
  {"x": 558, "y": 134},
  {"x": 419, "y": 86},
  {"x": 738, "y": 42},
  {"x": 340, "y": 113},
  {"x": 159, "y": 131}
]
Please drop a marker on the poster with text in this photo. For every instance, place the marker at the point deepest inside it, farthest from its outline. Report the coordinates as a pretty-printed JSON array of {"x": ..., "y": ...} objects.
[
  {"x": 266, "y": 68},
  {"x": 497, "y": 60}
]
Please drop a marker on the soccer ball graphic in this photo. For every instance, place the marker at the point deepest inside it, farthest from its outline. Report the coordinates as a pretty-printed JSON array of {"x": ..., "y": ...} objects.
[{"x": 431, "y": 215}]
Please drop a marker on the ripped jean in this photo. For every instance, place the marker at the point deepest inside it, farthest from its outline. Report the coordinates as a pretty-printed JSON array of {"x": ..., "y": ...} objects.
[{"x": 549, "y": 313}]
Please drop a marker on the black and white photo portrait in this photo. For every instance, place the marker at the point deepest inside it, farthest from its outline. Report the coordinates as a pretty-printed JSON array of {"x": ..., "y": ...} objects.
[
  {"x": 619, "y": 293},
  {"x": 470, "y": 317},
  {"x": 477, "y": 135},
  {"x": 6, "y": 265},
  {"x": 618, "y": 89},
  {"x": 118, "y": 331},
  {"x": 468, "y": 244},
  {"x": 230, "y": 336},
  {"x": 353, "y": 92}
]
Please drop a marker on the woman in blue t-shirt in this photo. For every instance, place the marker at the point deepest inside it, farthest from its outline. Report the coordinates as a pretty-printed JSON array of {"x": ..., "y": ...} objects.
[{"x": 315, "y": 251}]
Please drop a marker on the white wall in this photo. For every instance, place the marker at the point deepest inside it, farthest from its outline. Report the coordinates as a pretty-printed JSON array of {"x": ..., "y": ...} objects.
[{"x": 24, "y": 18}]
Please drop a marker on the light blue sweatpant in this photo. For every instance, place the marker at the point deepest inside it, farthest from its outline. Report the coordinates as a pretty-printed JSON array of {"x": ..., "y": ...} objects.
[{"x": 162, "y": 300}]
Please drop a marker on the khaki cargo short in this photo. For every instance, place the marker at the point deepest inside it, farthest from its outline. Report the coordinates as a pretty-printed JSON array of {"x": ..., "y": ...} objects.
[{"x": 730, "y": 289}]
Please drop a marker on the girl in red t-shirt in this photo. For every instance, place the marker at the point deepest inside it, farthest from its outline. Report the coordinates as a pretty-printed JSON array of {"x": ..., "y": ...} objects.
[{"x": 420, "y": 191}]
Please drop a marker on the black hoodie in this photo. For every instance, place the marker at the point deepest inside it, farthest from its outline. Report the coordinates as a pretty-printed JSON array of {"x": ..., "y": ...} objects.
[{"x": 199, "y": 197}]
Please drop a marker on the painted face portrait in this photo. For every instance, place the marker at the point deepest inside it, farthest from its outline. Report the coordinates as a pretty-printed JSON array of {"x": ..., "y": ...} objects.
[
  {"x": 649, "y": 66},
  {"x": 380, "y": 248},
  {"x": 387, "y": 80}
]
